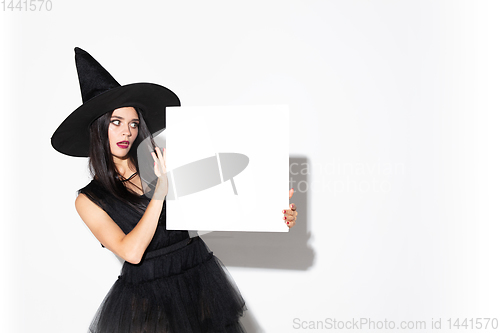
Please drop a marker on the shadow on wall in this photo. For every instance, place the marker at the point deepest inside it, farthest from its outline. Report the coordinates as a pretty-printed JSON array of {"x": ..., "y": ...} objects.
[{"x": 271, "y": 250}]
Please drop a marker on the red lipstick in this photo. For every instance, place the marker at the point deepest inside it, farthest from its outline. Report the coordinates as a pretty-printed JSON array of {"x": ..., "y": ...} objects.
[{"x": 123, "y": 144}]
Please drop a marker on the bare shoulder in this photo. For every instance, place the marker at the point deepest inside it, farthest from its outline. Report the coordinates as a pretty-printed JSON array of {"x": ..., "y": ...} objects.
[
  {"x": 81, "y": 201},
  {"x": 88, "y": 210},
  {"x": 85, "y": 206},
  {"x": 99, "y": 222}
]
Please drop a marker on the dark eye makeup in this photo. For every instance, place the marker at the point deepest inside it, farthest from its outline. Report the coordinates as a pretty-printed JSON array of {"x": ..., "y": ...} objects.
[{"x": 117, "y": 123}]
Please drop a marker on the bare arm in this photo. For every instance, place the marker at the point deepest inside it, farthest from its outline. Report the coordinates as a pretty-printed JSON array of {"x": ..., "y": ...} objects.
[{"x": 130, "y": 247}]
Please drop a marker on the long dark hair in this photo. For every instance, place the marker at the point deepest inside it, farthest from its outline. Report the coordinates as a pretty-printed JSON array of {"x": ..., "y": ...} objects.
[{"x": 101, "y": 163}]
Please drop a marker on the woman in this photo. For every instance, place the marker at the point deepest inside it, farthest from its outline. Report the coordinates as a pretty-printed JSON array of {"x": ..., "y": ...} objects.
[{"x": 169, "y": 281}]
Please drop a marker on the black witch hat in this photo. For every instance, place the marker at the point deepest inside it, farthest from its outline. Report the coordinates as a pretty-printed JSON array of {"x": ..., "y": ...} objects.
[{"x": 101, "y": 93}]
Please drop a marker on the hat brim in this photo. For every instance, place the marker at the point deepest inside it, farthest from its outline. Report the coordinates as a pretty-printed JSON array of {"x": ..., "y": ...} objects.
[{"x": 72, "y": 137}]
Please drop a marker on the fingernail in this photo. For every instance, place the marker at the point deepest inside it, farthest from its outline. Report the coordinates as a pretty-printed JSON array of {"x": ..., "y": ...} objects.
[
  {"x": 293, "y": 206},
  {"x": 288, "y": 223},
  {"x": 284, "y": 218},
  {"x": 292, "y": 188},
  {"x": 284, "y": 211}
]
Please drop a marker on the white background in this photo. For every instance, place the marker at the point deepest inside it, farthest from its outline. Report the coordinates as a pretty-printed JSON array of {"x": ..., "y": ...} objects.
[{"x": 393, "y": 106}]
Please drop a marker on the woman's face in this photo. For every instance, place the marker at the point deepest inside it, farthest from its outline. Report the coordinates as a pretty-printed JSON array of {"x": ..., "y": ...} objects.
[{"x": 123, "y": 130}]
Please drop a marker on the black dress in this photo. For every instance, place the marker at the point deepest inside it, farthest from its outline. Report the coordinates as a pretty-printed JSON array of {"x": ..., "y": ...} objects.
[{"x": 179, "y": 285}]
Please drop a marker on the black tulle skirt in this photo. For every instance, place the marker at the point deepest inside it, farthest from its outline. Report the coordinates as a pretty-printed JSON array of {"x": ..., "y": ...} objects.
[{"x": 183, "y": 288}]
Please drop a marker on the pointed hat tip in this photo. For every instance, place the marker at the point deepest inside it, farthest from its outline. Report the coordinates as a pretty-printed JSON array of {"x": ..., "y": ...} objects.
[{"x": 79, "y": 50}]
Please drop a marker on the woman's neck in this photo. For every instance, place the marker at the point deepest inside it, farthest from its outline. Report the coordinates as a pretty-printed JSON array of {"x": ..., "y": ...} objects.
[
  {"x": 126, "y": 169},
  {"x": 123, "y": 166}
]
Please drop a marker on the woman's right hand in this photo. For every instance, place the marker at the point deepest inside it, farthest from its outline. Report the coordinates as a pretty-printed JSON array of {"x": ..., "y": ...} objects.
[{"x": 160, "y": 170}]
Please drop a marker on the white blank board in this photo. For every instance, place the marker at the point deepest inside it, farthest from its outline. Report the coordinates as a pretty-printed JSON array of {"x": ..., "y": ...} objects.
[{"x": 213, "y": 139}]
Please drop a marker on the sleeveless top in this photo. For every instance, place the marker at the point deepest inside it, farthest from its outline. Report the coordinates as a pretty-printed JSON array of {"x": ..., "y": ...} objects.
[{"x": 127, "y": 217}]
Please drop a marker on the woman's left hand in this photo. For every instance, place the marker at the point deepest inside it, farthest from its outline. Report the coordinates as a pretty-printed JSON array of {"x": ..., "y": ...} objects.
[{"x": 290, "y": 214}]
